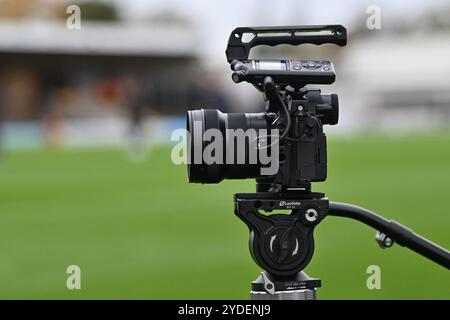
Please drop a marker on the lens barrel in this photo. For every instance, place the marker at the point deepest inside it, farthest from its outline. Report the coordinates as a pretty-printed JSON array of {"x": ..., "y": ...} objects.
[{"x": 221, "y": 146}]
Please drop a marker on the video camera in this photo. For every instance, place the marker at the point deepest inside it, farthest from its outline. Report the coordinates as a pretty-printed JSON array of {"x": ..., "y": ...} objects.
[{"x": 297, "y": 112}]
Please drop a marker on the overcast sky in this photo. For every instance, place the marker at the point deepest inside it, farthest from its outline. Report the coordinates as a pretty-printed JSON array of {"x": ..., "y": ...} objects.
[
  {"x": 216, "y": 18},
  {"x": 273, "y": 11}
]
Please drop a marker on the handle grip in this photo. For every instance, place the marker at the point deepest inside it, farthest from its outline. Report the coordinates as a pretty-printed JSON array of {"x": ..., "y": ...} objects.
[{"x": 238, "y": 49}]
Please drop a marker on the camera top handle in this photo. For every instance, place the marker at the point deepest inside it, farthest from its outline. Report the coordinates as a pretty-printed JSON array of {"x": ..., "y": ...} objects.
[{"x": 239, "y": 49}]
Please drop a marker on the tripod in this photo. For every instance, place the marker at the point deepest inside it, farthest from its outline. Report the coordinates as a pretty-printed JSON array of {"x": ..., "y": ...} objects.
[{"x": 283, "y": 244}]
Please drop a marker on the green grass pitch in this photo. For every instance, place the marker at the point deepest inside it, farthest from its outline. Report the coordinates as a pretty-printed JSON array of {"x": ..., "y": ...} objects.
[{"x": 140, "y": 231}]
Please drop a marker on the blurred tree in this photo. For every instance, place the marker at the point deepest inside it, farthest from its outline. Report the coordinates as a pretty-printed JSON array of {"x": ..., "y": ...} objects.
[
  {"x": 18, "y": 9},
  {"x": 90, "y": 9},
  {"x": 96, "y": 10}
]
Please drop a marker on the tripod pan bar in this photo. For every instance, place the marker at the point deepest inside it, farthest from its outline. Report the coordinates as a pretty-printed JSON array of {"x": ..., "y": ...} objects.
[{"x": 394, "y": 230}]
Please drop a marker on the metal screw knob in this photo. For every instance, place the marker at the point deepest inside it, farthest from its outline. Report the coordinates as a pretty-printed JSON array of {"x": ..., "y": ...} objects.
[{"x": 311, "y": 215}]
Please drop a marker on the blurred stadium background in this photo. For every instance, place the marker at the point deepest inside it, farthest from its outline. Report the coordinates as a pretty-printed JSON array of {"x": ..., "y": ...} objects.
[{"x": 85, "y": 123}]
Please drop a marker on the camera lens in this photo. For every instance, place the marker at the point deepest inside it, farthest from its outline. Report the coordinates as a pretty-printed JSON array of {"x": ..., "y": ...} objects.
[{"x": 224, "y": 145}]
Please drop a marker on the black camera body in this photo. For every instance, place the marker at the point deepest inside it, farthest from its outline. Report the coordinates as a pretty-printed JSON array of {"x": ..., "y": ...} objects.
[
  {"x": 302, "y": 152},
  {"x": 297, "y": 112}
]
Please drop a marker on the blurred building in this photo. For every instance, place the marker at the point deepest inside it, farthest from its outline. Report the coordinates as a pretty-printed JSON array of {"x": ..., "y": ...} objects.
[
  {"x": 98, "y": 84},
  {"x": 396, "y": 80},
  {"x": 104, "y": 70},
  {"x": 47, "y": 59}
]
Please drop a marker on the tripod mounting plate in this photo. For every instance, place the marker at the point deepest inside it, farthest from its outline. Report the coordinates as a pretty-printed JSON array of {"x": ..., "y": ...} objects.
[{"x": 298, "y": 287}]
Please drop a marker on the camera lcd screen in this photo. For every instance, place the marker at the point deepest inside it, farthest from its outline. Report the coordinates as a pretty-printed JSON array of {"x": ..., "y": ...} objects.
[{"x": 272, "y": 65}]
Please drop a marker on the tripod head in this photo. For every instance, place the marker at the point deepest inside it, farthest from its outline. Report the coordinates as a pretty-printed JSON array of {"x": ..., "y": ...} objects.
[{"x": 281, "y": 244}]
